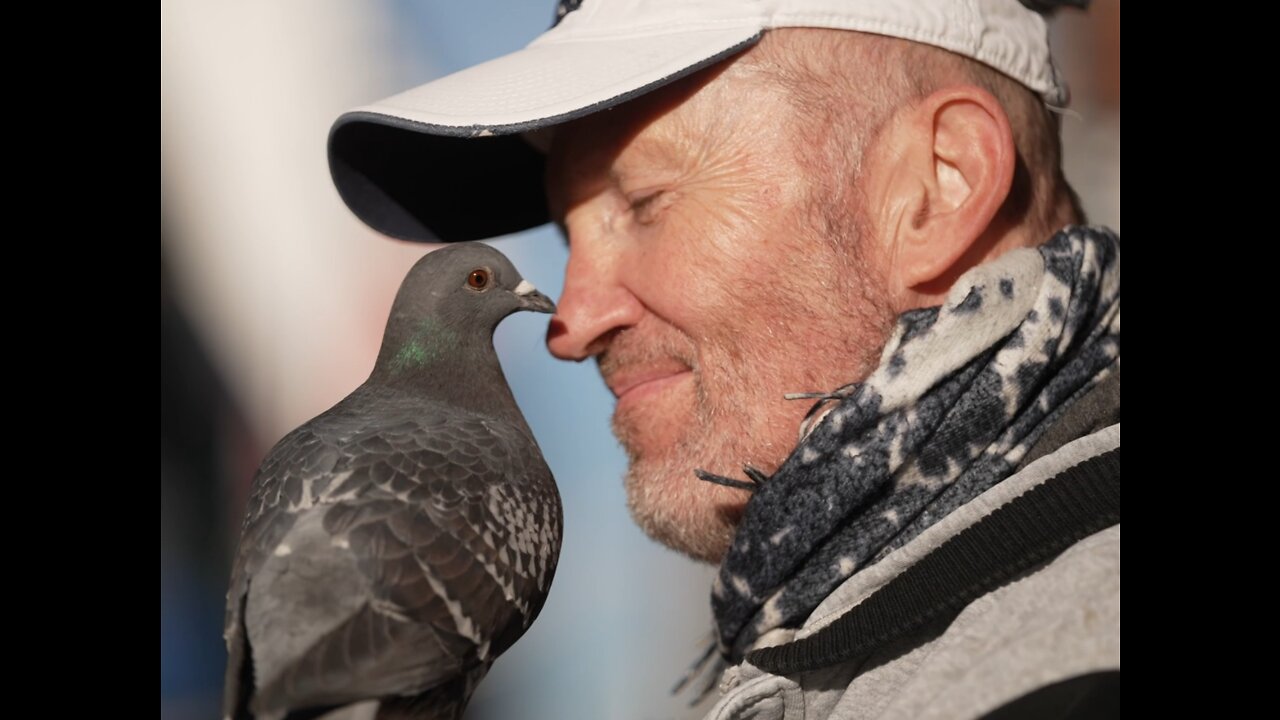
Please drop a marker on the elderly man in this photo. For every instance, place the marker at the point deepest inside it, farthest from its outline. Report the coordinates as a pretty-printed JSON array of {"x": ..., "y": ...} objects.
[{"x": 839, "y": 221}]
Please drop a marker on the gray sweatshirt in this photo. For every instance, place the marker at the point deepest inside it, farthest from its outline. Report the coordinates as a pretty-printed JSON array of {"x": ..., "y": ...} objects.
[{"x": 1058, "y": 621}]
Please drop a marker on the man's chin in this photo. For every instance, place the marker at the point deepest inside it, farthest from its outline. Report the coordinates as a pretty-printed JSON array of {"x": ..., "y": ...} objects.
[{"x": 688, "y": 515}]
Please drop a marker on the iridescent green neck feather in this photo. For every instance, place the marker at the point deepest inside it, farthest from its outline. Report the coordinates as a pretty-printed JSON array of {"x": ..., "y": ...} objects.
[{"x": 426, "y": 345}]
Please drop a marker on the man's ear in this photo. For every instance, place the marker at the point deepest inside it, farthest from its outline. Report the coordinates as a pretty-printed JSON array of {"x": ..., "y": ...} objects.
[{"x": 953, "y": 160}]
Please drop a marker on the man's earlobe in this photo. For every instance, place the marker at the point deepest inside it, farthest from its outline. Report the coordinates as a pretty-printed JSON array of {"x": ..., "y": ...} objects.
[{"x": 956, "y": 174}]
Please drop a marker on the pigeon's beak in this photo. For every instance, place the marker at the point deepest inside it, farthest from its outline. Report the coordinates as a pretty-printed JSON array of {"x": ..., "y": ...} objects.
[{"x": 531, "y": 299}]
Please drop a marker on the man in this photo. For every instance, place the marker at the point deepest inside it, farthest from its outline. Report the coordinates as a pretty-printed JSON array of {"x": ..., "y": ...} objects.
[{"x": 859, "y": 203}]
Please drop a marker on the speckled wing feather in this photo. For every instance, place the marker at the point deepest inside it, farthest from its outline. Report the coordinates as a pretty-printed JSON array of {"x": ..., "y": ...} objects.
[{"x": 440, "y": 528}]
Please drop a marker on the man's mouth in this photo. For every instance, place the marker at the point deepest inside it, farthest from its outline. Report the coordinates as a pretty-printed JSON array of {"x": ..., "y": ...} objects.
[{"x": 629, "y": 386}]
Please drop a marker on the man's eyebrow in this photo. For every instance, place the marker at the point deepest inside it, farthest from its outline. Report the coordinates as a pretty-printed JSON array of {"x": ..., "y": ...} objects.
[{"x": 656, "y": 152}]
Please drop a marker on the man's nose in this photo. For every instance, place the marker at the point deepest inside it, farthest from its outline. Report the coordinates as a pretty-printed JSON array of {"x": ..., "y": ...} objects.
[{"x": 593, "y": 304}]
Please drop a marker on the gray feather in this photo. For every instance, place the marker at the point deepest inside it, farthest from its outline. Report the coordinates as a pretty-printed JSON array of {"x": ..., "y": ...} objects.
[{"x": 398, "y": 543}]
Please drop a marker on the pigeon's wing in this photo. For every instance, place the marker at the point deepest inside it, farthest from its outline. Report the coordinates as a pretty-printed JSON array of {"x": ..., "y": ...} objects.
[
  {"x": 298, "y": 469},
  {"x": 444, "y": 531}
]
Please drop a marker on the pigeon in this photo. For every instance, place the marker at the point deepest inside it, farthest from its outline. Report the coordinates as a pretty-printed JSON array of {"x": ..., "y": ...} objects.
[{"x": 399, "y": 542}]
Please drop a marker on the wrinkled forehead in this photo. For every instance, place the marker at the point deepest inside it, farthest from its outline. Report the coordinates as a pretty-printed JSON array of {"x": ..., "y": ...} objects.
[{"x": 665, "y": 128}]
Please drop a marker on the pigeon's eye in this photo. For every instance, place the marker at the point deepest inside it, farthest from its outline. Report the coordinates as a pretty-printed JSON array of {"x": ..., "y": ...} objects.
[{"x": 478, "y": 279}]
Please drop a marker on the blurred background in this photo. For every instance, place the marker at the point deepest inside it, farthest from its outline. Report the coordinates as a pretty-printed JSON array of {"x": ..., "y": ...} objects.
[{"x": 273, "y": 299}]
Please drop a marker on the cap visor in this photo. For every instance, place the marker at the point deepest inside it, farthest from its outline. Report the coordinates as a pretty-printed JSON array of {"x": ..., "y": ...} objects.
[{"x": 442, "y": 162}]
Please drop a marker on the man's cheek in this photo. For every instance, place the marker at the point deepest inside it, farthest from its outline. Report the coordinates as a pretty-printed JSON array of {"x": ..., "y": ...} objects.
[{"x": 689, "y": 288}]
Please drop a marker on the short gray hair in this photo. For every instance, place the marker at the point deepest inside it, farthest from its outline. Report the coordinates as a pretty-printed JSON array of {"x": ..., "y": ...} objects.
[{"x": 848, "y": 84}]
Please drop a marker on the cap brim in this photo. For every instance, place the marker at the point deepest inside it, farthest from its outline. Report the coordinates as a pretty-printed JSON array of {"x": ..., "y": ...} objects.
[{"x": 443, "y": 162}]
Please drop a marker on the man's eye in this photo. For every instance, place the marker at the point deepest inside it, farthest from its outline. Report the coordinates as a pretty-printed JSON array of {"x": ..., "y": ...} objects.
[{"x": 645, "y": 208}]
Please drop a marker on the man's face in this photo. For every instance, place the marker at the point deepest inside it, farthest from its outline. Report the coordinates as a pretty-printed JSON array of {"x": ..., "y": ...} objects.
[{"x": 703, "y": 278}]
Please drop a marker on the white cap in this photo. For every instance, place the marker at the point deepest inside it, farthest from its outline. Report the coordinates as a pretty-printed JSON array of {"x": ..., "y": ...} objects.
[{"x": 445, "y": 161}]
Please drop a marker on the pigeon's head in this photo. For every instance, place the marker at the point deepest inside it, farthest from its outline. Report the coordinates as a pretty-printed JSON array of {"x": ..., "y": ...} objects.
[
  {"x": 454, "y": 297},
  {"x": 471, "y": 282}
]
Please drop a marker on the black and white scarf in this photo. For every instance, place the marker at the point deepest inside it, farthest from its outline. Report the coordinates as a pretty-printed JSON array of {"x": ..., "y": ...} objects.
[{"x": 963, "y": 391}]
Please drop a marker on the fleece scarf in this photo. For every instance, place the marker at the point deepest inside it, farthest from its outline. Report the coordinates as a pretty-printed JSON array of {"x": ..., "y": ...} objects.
[{"x": 961, "y": 394}]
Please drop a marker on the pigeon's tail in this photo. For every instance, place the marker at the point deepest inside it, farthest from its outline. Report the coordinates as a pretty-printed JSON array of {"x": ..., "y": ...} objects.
[
  {"x": 442, "y": 702},
  {"x": 367, "y": 710},
  {"x": 238, "y": 685}
]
